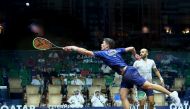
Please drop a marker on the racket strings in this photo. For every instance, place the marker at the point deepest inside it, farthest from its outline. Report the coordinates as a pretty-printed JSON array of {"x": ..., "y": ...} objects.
[{"x": 42, "y": 44}]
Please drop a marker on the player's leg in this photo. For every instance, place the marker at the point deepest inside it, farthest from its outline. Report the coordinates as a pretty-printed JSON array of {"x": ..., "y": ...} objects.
[
  {"x": 125, "y": 86},
  {"x": 151, "y": 102},
  {"x": 142, "y": 98},
  {"x": 173, "y": 95},
  {"x": 138, "y": 80},
  {"x": 142, "y": 103},
  {"x": 150, "y": 96},
  {"x": 123, "y": 93},
  {"x": 148, "y": 85}
]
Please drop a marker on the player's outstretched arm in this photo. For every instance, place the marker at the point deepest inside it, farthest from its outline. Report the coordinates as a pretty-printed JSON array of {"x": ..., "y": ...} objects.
[
  {"x": 133, "y": 51},
  {"x": 157, "y": 72},
  {"x": 79, "y": 50}
]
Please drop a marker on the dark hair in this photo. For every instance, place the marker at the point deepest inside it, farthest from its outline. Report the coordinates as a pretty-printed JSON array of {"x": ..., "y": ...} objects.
[{"x": 110, "y": 42}]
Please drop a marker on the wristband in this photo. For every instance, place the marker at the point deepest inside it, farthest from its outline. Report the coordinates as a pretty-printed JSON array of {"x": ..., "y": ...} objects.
[{"x": 161, "y": 79}]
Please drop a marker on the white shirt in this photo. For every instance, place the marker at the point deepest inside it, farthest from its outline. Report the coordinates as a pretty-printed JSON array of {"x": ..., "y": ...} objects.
[
  {"x": 106, "y": 69},
  {"x": 77, "y": 82},
  {"x": 36, "y": 82},
  {"x": 53, "y": 55},
  {"x": 145, "y": 68},
  {"x": 76, "y": 101},
  {"x": 117, "y": 80},
  {"x": 89, "y": 81},
  {"x": 98, "y": 101}
]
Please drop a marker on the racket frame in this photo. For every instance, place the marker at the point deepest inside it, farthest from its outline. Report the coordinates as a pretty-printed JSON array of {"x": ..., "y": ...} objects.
[{"x": 53, "y": 45}]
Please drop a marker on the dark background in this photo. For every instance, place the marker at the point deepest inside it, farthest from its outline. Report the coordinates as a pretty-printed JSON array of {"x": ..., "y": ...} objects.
[{"x": 86, "y": 22}]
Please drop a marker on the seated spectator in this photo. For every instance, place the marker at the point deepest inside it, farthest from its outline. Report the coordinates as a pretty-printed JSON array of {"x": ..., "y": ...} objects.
[
  {"x": 53, "y": 55},
  {"x": 63, "y": 84},
  {"x": 89, "y": 80},
  {"x": 75, "y": 69},
  {"x": 106, "y": 69},
  {"x": 38, "y": 81},
  {"x": 41, "y": 61},
  {"x": 98, "y": 100},
  {"x": 63, "y": 80},
  {"x": 76, "y": 100},
  {"x": 77, "y": 81},
  {"x": 117, "y": 80}
]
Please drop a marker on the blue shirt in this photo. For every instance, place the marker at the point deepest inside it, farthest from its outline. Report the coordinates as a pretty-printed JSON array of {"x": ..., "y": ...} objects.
[{"x": 112, "y": 58}]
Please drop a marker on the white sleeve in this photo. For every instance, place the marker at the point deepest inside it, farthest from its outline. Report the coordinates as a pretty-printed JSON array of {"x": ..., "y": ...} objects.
[
  {"x": 72, "y": 82},
  {"x": 81, "y": 82},
  {"x": 81, "y": 99},
  {"x": 102, "y": 67},
  {"x": 103, "y": 99},
  {"x": 32, "y": 83},
  {"x": 135, "y": 64},
  {"x": 93, "y": 99},
  {"x": 153, "y": 64},
  {"x": 109, "y": 68},
  {"x": 70, "y": 100}
]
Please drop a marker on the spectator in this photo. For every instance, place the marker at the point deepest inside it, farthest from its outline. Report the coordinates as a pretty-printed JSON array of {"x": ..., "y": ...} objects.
[
  {"x": 63, "y": 80},
  {"x": 41, "y": 61},
  {"x": 117, "y": 80},
  {"x": 106, "y": 69},
  {"x": 63, "y": 84},
  {"x": 76, "y": 100},
  {"x": 53, "y": 55},
  {"x": 77, "y": 81},
  {"x": 98, "y": 100},
  {"x": 75, "y": 69},
  {"x": 30, "y": 63},
  {"x": 38, "y": 81},
  {"x": 89, "y": 80}
]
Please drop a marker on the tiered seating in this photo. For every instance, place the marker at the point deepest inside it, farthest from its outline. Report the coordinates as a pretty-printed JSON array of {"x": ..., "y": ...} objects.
[
  {"x": 178, "y": 84},
  {"x": 54, "y": 96},
  {"x": 15, "y": 87},
  {"x": 32, "y": 95}
]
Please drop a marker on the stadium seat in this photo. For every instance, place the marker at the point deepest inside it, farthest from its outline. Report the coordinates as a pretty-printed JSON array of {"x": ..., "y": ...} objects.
[
  {"x": 54, "y": 99},
  {"x": 178, "y": 84},
  {"x": 71, "y": 88},
  {"x": 32, "y": 89},
  {"x": 33, "y": 99},
  {"x": 15, "y": 85},
  {"x": 54, "y": 89},
  {"x": 92, "y": 90},
  {"x": 100, "y": 82},
  {"x": 159, "y": 99}
]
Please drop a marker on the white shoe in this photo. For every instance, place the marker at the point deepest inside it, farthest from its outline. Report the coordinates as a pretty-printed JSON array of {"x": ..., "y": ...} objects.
[{"x": 175, "y": 98}]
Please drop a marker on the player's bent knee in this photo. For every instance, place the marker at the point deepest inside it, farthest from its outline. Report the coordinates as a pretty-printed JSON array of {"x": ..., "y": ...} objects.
[{"x": 149, "y": 86}]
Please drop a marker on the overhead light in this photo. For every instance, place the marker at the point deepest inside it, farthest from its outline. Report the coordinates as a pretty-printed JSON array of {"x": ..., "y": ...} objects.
[
  {"x": 168, "y": 30},
  {"x": 27, "y": 4},
  {"x": 145, "y": 29},
  {"x": 186, "y": 31},
  {"x": 1, "y": 28}
]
